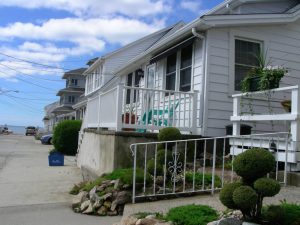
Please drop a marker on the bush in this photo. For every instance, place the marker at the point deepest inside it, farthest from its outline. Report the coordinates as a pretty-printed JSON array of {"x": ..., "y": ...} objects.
[
  {"x": 151, "y": 166},
  {"x": 244, "y": 197},
  {"x": 274, "y": 214},
  {"x": 192, "y": 215},
  {"x": 292, "y": 213},
  {"x": 253, "y": 164},
  {"x": 169, "y": 134},
  {"x": 65, "y": 136},
  {"x": 126, "y": 176},
  {"x": 199, "y": 179},
  {"x": 226, "y": 195},
  {"x": 266, "y": 187}
]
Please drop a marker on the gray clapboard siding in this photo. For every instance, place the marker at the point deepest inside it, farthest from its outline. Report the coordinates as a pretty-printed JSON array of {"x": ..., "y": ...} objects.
[{"x": 283, "y": 48}]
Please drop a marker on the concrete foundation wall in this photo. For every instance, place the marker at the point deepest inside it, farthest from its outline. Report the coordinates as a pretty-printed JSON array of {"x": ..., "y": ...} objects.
[{"x": 103, "y": 151}]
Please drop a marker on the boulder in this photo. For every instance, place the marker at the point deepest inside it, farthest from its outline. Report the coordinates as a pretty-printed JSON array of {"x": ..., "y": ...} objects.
[
  {"x": 84, "y": 205},
  {"x": 146, "y": 221},
  {"x": 129, "y": 220},
  {"x": 102, "y": 211},
  {"x": 230, "y": 221},
  {"x": 112, "y": 213},
  {"x": 97, "y": 204},
  {"x": 106, "y": 196},
  {"x": 79, "y": 198},
  {"x": 94, "y": 197},
  {"x": 117, "y": 184},
  {"x": 107, "y": 204},
  {"x": 92, "y": 191},
  {"x": 122, "y": 198},
  {"x": 89, "y": 210}
]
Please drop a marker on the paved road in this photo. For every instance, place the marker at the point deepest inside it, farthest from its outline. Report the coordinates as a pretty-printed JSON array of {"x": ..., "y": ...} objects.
[{"x": 31, "y": 192}]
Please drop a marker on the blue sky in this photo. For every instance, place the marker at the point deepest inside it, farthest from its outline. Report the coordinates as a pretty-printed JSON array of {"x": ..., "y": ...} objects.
[{"x": 62, "y": 35}]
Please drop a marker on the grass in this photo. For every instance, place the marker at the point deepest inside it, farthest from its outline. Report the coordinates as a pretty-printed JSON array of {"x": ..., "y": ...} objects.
[{"x": 192, "y": 215}]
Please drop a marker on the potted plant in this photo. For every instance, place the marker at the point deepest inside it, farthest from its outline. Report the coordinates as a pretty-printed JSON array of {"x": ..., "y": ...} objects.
[
  {"x": 55, "y": 158},
  {"x": 263, "y": 77}
]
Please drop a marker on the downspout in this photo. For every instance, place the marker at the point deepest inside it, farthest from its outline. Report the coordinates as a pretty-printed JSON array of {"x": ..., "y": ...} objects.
[{"x": 201, "y": 114}]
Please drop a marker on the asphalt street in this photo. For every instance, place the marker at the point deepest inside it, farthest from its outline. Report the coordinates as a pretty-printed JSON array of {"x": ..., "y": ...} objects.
[{"x": 31, "y": 192}]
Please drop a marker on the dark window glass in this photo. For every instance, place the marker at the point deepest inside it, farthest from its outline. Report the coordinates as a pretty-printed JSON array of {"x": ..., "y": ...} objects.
[
  {"x": 129, "y": 84},
  {"x": 171, "y": 72},
  {"x": 246, "y": 58},
  {"x": 186, "y": 68}
]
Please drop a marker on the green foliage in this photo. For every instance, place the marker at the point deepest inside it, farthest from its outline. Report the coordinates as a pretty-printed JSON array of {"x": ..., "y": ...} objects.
[
  {"x": 90, "y": 184},
  {"x": 245, "y": 197},
  {"x": 65, "y": 136},
  {"x": 151, "y": 166},
  {"x": 253, "y": 164},
  {"x": 169, "y": 134},
  {"x": 126, "y": 176},
  {"x": 77, "y": 188},
  {"x": 267, "y": 187},
  {"x": 292, "y": 213},
  {"x": 274, "y": 214},
  {"x": 227, "y": 193},
  {"x": 192, "y": 215},
  {"x": 199, "y": 179}
]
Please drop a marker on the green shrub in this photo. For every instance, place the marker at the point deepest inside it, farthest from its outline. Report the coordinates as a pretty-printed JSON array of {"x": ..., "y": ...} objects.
[
  {"x": 169, "y": 134},
  {"x": 274, "y": 214},
  {"x": 192, "y": 215},
  {"x": 266, "y": 187},
  {"x": 199, "y": 179},
  {"x": 151, "y": 166},
  {"x": 291, "y": 212},
  {"x": 126, "y": 176},
  {"x": 253, "y": 164},
  {"x": 65, "y": 136},
  {"x": 226, "y": 195},
  {"x": 77, "y": 188},
  {"x": 244, "y": 197}
]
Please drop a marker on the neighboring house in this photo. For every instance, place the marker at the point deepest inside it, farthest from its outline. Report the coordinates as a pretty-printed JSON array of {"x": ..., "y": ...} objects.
[
  {"x": 70, "y": 95},
  {"x": 50, "y": 118},
  {"x": 187, "y": 78}
]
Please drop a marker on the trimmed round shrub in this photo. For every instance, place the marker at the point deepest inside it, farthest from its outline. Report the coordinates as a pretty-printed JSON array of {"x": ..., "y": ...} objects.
[
  {"x": 161, "y": 156},
  {"x": 192, "y": 215},
  {"x": 245, "y": 197},
  {"x": 253, "y": 164},
  {"x": 274, "y": 215},
  {"x": 169, "y": 134},
  {"x": 151, "y": 166},
  {"x": 266, "y": 187},
  {"x": 226, "y": 195},
  {"x": 65, "y": 136}
]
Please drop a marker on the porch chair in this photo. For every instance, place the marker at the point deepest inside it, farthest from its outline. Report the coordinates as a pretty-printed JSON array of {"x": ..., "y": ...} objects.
[{"x": 158, "y": 117}]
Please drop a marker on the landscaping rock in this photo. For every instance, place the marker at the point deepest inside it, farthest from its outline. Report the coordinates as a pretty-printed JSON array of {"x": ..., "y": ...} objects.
[
  {"x": 84, "y": 205},
  {"x": 106, "y": 196},
  {"x": 94, "y": 197},
  {"x": 150, "y": 216},
  {"x": 79, "y": 198},
  {"x": 230, "y": 221},
  {"x": 107, "y": 204},
  {"x": 102, "y": 211},
  {"x": 214, "y": 223},
  {"x": 112, "y": 213},
  {"x": 116, "y": 184},
  {"x": 89, "y": 210},
  {"x": 97, "y": 204},
  {"x": 129, "y": 220},
  {"x": 146, "y": 221}
]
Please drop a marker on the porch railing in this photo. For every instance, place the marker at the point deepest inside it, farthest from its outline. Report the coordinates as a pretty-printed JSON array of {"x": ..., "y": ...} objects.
[
  {"x": 141, "y": 109},
  {"x": 197, "y": 165}
]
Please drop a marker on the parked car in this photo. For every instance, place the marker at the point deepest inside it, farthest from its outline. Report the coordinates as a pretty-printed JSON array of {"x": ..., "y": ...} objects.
[
  {"x": 46, "y": 139},
  {"x": 30, "y": 130}
]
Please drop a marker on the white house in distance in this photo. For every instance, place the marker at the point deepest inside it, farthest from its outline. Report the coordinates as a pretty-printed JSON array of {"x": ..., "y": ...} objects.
[{"x": 187, "y": 79}]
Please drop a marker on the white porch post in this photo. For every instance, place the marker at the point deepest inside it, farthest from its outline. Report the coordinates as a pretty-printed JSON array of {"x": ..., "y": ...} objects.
[
  {"x": 236, "y": 112},
  {"x": 99, "y": 102},
  {"x": 120, "y": 89},
  {"x": 194, "y": 112},
  {"x": 295, "y": 109}
]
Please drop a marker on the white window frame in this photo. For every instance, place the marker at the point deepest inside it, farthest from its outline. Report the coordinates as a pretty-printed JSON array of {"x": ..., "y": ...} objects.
[
  {"x": 178, "y": 70},
  {"x": 247, "y": 36}
]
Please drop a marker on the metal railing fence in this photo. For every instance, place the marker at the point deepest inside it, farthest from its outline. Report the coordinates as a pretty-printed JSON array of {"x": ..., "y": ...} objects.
[{"x": 200, "y": 165}]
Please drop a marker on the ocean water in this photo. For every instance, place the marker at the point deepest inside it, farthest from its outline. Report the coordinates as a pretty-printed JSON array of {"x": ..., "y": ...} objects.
[{"x": 16, "y": 129}]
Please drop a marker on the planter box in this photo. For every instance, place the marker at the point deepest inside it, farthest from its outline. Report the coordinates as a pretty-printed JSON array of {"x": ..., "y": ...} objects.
[
  {"x": 56, "y": 159},
  {"x": 254, "y": 84}
]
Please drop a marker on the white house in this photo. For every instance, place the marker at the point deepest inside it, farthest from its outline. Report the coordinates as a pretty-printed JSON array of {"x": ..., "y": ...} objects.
[{"x": 187, "y": 79}]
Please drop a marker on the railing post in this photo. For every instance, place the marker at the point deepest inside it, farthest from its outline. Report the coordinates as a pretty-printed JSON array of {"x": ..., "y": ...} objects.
[
  {"x": 99, "y": 111},
  {"x": 119, "y": 103},
  {"x": 295, "y": 109},
  {"x": 236, "y": 112},
  {"x": 194, "y": 112}
]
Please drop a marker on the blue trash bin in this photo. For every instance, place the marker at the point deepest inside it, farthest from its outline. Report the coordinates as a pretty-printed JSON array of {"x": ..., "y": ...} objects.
[{"x": 56, "y": 159}]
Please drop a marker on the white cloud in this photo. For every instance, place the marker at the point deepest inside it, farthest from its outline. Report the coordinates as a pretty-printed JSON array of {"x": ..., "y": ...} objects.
[
  {"x": 133, "y": 8},
  {"x": 193, "y": 6},
  {"x": 81, "y": 31}
]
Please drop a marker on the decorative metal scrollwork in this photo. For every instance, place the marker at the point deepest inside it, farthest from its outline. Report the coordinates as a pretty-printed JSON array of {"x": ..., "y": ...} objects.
[{"x": 175, "y": 166}]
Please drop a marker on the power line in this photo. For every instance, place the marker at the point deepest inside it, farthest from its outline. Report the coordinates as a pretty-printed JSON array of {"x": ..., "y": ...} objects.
[
  {"x": 29, "y": 74},
  {"x": 32, "y": 99}
]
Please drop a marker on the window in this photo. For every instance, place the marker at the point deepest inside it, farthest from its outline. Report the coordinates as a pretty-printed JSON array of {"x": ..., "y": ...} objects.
[
  {"x": 71, "y": 99},
  {"x": 179, "y": 69},
  {"x": 246, "y": 58},
  {"x": 132, "y": 81},
  {"x": 74, "y": 82}
]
